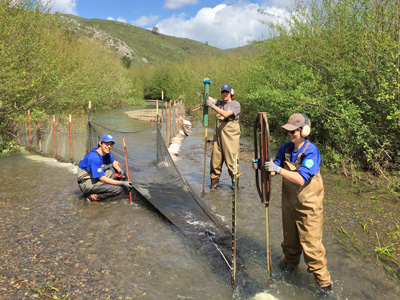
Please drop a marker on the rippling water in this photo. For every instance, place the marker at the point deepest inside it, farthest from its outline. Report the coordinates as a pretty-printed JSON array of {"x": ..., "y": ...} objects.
[{"x": 117, "y": 249}]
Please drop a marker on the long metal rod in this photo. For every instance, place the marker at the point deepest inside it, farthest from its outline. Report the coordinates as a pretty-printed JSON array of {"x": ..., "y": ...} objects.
[
  {"x": 234, "y": 198},
  {"x": 268, "y": 239},
  {"x": 205, "y": 159},
  {"x": 127, "y": 168},
  {"x": 263, "y": 182},
  {"x": 207, "y": 82}
]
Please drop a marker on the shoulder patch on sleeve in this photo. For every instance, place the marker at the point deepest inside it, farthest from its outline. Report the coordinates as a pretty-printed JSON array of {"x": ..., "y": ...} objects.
[
  {"x": 99, "y": 170},
  {"x": 308, "y": 163}
]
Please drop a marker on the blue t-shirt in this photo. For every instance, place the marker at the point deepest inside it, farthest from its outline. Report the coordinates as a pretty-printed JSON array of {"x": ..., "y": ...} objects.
[
  {"x": 94, "y": 163},
  {"x": 311, "y": 159}
]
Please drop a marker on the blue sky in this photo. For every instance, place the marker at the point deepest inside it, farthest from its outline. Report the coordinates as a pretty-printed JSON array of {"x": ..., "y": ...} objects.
[{"x": 223, "y": 24}]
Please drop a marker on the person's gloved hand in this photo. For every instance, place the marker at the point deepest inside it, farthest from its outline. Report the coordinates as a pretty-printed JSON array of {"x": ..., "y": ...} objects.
[
  {"x": 271, "y": 167},
  {"x": 122, "y": 173},
  {"x": 209, "y": 103},
  {"x": 127, "y": 184}
]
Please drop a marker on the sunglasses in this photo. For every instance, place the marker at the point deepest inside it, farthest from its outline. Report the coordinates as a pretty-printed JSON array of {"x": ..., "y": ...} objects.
[
  {"x": 292, "y": 131},
  {"x": 224, "y": 92}
]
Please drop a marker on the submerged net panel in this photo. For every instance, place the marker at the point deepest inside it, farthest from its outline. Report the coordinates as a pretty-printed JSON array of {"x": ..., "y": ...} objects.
[{"x": 155, "y": 176}]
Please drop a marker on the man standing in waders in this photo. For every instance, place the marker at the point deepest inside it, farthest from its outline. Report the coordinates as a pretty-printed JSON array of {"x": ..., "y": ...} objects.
[
  {"x": 226, "y": 135},
  {"x": 100, "y": 176},
  {"x": 298, "y": 163}
]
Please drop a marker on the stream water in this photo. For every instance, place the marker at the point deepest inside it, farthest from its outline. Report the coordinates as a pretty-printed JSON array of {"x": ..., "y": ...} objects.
[{"x": 115, "y": 249}]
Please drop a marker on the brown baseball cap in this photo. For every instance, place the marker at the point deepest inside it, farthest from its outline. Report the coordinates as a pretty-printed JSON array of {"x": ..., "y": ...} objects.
[{"x": 295, "y": 121}]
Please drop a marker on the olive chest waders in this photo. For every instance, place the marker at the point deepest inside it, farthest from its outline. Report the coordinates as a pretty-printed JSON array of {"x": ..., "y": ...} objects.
[{"x": 302, "y": 217}]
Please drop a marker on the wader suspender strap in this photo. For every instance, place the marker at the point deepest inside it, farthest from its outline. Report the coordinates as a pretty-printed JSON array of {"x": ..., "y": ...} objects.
[{"x": 299, "y": 157}]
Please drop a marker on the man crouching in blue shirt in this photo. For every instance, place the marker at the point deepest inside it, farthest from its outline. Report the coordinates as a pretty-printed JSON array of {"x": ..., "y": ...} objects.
[{"x": 97, "y": 177}]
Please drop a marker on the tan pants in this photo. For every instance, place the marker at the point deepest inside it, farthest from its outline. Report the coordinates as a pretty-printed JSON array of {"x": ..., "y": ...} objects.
[
  {"x": 226, "y": 142},
  {"x": 302, "y": 214}
]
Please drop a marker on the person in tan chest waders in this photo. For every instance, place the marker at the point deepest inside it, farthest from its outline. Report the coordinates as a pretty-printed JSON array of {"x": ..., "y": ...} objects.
[
  {"x": 298, "y": 163},
  {"x": 226, "y": 135}
]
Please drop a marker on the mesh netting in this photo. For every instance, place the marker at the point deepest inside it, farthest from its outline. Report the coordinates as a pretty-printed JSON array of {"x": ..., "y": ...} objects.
[
  {"x": 65, "y": 145},
  {"x": 156, "y": 178},
  {"x": 153, "y": 173}
]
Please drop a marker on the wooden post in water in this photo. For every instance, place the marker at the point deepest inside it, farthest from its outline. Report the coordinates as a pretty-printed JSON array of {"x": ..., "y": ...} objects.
[
  {"x": 170, "y": 123},
  {"x": 54, "y": 131},
  {"x": 39, "y": 136},
  {"x": 166, "y": 124},
  {"x": 88, "y": 141},
  {"x": 127, "y": 168},
  {"x": 70, "y": 137},
  {"x": 29, "y": 130}
]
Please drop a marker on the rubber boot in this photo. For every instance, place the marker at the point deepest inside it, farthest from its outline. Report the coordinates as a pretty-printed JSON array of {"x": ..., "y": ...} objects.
[{"x": 214, "y": 184}]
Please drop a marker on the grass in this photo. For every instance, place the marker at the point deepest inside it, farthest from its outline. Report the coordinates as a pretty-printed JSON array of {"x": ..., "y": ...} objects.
[{"x": 155, "y": 47}]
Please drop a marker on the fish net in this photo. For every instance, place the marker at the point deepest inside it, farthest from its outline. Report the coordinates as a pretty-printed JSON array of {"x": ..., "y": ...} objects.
[
  {"x": 154, "y": 175},
  {"x": 156, "y": 178}
]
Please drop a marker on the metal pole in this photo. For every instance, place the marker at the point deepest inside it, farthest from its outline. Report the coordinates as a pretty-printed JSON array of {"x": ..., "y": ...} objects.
[
  {"x": 127, "y": 168},
  {"x": 234, "y": 198},
  {"x": 207, "y": 82}
]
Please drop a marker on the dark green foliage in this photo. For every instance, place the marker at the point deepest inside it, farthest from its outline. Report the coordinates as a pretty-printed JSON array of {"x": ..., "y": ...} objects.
[
  {"x": 338, "y": 62},
  {"x": 126, "y": 61}
]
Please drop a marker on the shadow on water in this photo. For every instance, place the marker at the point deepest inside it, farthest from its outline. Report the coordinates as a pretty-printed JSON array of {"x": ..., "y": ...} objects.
[{"x": 117, "y": 249}]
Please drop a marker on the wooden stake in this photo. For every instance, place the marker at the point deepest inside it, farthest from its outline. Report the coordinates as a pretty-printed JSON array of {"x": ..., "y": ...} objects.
[
  {"x": 54, "y": 130},
  {"x": 39, "y": 136},
  {"x": 127, "y": 168},
  {"x": 29, "y": 130},
  {"x": 70, "y": 137}
]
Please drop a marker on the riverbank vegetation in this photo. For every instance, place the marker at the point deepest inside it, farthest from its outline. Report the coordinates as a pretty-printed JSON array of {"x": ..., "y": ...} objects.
[{"x": 337, "y": 61}]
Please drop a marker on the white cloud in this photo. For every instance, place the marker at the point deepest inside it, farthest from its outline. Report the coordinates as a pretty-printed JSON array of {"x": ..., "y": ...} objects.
[
  {"x": 121, "y": 19},
  {"x": 145, "y": 20},
  {"x": 174, "y": 4},
  {"x": 223, "y": 26},
  {"x": 65, "y": 6}
]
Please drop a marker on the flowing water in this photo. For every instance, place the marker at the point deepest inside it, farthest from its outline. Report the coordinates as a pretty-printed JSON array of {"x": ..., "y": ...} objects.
[{"x": 119, "y": 250}]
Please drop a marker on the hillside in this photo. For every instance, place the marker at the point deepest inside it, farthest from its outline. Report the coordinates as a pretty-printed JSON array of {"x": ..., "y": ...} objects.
[{"x": 146, "y": 46}]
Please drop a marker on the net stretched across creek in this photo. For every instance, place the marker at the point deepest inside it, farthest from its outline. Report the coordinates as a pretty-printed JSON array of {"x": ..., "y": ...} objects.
[{"x": 156, "y": 179}]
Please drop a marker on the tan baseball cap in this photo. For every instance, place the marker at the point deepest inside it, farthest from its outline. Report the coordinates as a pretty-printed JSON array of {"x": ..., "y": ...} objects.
[{"x": 295, "y": 121}]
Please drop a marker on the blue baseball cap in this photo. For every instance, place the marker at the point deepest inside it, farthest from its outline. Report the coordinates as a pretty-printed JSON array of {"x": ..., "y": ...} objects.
[
  {"x": 107, "y": 138},
  {"x": 226, "y": 87}
]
